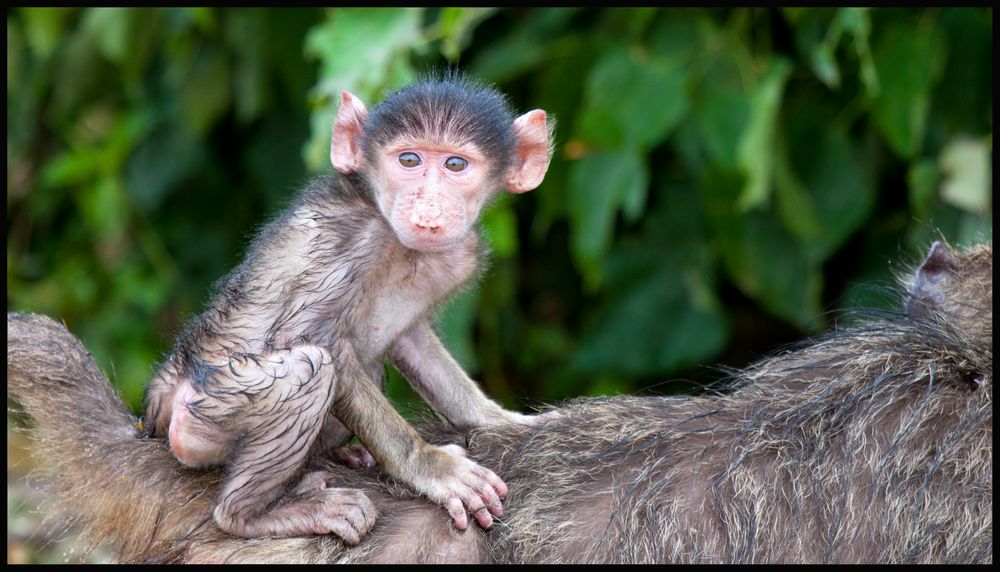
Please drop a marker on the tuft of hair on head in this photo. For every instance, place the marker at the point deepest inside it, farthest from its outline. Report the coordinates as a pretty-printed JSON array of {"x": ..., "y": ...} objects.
[{"x": 446, "y": 107}]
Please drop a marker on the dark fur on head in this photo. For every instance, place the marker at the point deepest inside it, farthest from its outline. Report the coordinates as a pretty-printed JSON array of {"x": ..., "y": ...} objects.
[{"x": 445, "y": 107}]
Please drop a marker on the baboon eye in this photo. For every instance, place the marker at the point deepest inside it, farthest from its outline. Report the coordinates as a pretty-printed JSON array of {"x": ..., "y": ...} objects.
[
  {"x": 409, "y": 160},
  {"x": 456, "y": 164}
]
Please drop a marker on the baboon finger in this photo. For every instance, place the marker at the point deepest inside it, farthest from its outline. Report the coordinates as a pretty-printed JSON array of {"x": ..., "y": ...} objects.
[
  {"x": 483, "y": 517},
  {"x": 457, "y": 511}
]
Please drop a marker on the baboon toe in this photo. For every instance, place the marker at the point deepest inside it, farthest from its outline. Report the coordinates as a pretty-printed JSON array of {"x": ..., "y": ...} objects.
[
  {"x": 348, "y": 513},
  {"x": 314, "y": 481},
  {"x": 355, "y": 457}
]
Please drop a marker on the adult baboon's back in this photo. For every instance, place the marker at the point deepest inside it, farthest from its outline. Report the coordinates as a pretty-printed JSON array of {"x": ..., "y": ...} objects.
[{"x": 870, "y": 444}]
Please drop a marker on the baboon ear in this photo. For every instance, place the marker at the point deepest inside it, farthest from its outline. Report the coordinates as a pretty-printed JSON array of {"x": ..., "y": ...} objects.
[
  {"x": 925, "y": 289},
  {"x": 531, "y": 152},
  {"x": 345, "y": 144}
]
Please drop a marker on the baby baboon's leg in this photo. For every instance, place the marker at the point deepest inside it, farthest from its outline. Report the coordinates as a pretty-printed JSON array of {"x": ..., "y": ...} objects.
[
  {"x": 285, "y": 397},
  {"x": 334, "y": 436},
  {"x": 332, "y": 443}
]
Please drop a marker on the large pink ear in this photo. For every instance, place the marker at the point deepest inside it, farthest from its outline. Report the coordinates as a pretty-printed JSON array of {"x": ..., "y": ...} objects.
[
  {"x": 345, "y": 148},
  {"x": 532, "y": 151}
]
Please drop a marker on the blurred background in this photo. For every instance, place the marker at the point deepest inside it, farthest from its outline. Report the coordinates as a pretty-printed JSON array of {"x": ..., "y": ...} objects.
[{"x": 724, "y": 180}]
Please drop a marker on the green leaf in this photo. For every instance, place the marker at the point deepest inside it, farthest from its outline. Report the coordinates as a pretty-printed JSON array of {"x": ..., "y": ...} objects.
[
  {"x": 816, "y": 33},
  {"x": 755, "y": 151},
  {"x": 681, "y": 33},
  {"x": 908, "y": 61},
  {"x": 533, "y": 42},
  {"x": 500, "y": 225},
  {"x": 605, "y": 385},
  {"x": 598, "y": 185},
  {"x": 963, "y": 99},
  {"x": 552, "y": 95},
  {"x": 968, "y": 171},
  {"x": 974, "y": 229},
  {"x": 824, "y": 64},
  {"x": 722, "y": 116},
  {"x": 760, "y": 256},
  {"x": 660, "y": 311},
  {"x": 78, "y": 58},
  {"x": 244, "y": 30},
  {"x": 637, "y": 20},
  {"x": 72, "y": 168},
  {"x": 111, "y": 27},
  {"x": 103, "y": 207},
  {"x": 549, "y": 342},
  {"x": 509, "y": 59},
  {"x": 655, "y": 327},
  {"x": 456, "y": 25},
  {"x": 272, "y": 155},
  {"x": 857, "y": 23},
  {"x": 456, "y": 323},
  {"x": 632, "y": 99},
  {"x": 207, "y": 93},
  {"x": 943, "y": 220},
  {"x": 922, "y": 180},
  {"x": 356, "y": 46},
  {"x": 836, "y": 177},
  {"x": 794, "y": 204},
  {"x": 362, "y": 50},
  {"x": 148, "y": 177},
  {"x": 202, "y": 17},
  {"x": 45, "y": 28}
]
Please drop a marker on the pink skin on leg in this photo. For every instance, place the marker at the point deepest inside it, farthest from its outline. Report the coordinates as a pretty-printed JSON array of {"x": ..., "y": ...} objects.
[{"x": 194, "y": 444}]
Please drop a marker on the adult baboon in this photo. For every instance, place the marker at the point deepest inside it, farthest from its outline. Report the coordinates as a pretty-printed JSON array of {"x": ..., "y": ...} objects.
[{"x": 871, "y": 444}]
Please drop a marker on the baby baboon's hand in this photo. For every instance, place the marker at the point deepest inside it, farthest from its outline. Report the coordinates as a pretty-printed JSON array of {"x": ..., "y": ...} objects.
[
  {"x": 463, "y": 487},
  {"x": 541, "y": 418},
  {"x": 505, "y": 417}
]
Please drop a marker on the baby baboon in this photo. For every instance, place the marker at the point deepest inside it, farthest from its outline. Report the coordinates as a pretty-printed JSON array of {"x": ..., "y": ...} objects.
[
  {"x": 288, "y": 358},
  {"x": 870, "y": 444}
]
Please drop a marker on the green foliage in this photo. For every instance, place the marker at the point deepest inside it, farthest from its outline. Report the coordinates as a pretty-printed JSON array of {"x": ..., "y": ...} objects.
[
  {"x": 364, "y": 50},
  {"x": 721, "y": 177},
  {"x": 133, "y": 163}
]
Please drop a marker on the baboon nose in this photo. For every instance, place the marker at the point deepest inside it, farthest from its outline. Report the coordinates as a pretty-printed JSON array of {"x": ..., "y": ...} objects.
[{"x": 426, "y": 216}]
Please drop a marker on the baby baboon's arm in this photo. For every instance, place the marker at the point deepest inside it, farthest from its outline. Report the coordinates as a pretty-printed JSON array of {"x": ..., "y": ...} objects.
[
  {"x": 443, "y": 474},
  {"x": 436, "y": 376}
]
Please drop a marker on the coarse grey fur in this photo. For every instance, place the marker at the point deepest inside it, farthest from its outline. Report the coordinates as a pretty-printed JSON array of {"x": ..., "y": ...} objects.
[{"x": 870, "y": 444}]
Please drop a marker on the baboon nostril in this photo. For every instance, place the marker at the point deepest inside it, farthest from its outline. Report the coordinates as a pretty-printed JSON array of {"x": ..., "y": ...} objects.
[{"x": 426, "y": 216}]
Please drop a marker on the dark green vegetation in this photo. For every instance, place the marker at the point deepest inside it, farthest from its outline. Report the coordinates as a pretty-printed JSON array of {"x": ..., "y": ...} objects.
[{"x": 722, "y": 177}]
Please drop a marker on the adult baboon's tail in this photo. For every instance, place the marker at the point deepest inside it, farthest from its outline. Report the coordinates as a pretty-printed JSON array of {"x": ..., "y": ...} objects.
[{"x": 100, "y": 471}]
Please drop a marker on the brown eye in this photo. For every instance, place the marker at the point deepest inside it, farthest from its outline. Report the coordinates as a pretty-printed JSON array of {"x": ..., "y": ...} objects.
[
  {"x": 409, "y": 160},
  {"x": 456, "y": 164}
]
